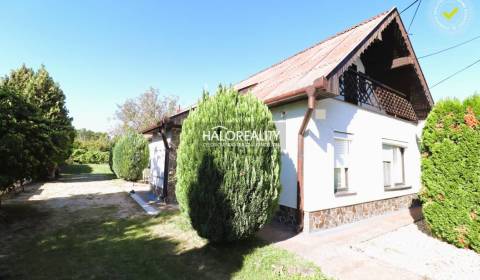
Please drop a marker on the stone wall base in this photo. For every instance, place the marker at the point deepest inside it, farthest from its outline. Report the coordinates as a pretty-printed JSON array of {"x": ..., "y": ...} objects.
[{"x": 347, "y": 214}]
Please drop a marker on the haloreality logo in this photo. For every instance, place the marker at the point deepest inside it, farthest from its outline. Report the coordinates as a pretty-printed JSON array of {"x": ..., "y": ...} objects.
[{"x": 223, "y": 136}]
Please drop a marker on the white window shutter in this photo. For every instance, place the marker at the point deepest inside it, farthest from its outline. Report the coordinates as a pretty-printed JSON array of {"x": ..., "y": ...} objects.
[
  {"x": 398, "y": 165},
  {"x": 387, "y": 153},
  {"x": 341, "y": 150}
]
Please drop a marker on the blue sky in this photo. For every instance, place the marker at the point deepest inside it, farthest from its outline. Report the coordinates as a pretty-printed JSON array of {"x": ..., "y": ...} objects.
[{"x": 103, "y": 52}]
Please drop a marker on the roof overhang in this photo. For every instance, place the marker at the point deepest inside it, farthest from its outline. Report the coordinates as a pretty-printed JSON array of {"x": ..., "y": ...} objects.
[{"x": 356, "y": 51}]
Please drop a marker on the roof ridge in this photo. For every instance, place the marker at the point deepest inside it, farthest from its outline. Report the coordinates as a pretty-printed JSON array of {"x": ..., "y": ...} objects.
[{"x": 318, "y": 43}]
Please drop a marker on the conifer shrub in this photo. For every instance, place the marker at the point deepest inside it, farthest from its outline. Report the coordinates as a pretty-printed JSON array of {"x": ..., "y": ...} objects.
[
  {"x": 451, "y": 172},
  {"x": 130, "y": 156},
  {"x": 228, "y": 187}
]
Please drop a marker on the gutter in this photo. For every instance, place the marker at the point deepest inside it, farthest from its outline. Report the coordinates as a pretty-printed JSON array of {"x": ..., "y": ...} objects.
[{"x": 311, "y": 95}]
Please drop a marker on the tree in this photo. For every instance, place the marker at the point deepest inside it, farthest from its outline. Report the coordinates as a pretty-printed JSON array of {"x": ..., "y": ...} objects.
[
  {"x": 451, "y": 172},
  {"x": 130, "y": 156},
  {"x": 40, "y": 90},
  {"x": 144, "y": 111},
  {"x": 228, "y": 188},
  {"x": 24, "y": 140}
]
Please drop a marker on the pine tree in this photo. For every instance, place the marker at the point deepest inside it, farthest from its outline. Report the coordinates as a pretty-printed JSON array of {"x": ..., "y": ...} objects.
[{"x": 228, "y": 191}]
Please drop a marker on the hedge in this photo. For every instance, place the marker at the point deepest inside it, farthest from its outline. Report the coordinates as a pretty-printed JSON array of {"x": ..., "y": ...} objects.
[
  {"x": 84, "y": 156},
  {"x": 130, "y": 156},
  {"x": 228, "y": 192},
  {"x": 451, "y": 172}
]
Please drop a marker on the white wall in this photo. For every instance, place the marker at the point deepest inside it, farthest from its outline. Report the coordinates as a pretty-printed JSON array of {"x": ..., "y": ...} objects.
[
  {"x": 291, "y": 115},
  {"x": 365, "y": 170},
  {"x": 157, "y": 160}
]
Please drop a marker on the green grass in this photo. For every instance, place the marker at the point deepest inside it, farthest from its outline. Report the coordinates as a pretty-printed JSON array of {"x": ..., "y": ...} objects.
[
  {"x": 162, "y": 247},
  {"x": 76, "y": 169}
]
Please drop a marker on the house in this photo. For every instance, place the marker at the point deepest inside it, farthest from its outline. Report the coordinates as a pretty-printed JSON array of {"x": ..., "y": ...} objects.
[
  {"x": 351, "y": 109},
  {"x": 164, "y": 139}
]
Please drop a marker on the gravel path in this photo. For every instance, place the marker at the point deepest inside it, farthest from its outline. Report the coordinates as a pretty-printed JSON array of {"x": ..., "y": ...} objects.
[
  {"x": 411, "y": 248},
  {"x": 79, "y": 192},
  {"x": 391, "y": 246}
]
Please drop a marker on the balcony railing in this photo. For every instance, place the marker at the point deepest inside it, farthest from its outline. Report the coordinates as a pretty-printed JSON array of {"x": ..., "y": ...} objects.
[{"x": 361, "y": 90}]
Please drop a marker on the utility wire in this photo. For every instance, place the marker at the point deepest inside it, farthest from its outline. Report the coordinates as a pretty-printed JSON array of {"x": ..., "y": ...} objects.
[
  {"x": 449, "y": 48},
  {"x": 414, "y": 15},
  {"x": 456, "y": 73},
  {"x": 409, "y": 6}
]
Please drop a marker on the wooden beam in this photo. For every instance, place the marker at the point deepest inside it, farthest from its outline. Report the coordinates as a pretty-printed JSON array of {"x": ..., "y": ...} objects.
[{"x": 401, "y": 62}]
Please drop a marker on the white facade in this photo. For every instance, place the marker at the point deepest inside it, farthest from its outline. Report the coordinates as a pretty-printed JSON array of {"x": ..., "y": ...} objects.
[
  {"x": 366, "y": 131},
  {"x": 157, "y": 160}
]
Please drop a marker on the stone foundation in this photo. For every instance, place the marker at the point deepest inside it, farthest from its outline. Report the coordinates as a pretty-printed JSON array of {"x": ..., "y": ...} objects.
[{"x": 347, "y": 214}]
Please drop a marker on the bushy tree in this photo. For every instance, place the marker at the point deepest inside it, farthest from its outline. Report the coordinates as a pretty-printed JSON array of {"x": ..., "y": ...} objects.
[
  {"x": 451, "y": 172},
  {"x": 144, "y": 111},
  {"x": 42, "y": 92},
  {"x": 130, "y": 156},
  {"x": 24, "y": 139},
  {"x": 229, "y": 189}
]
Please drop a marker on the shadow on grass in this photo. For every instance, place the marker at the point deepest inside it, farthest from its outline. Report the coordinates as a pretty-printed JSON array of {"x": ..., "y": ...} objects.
[
  {"x": 77, "y": 178},
  {"x": 68, "y": 243},
  {"x": 119, "y": 249},
  {"x": 16, "y": 214},
  {"x": 83, "y": 173}
]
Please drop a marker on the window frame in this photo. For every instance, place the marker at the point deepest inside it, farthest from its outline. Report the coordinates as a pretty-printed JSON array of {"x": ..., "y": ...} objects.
[
  {"x": 398, "y": 161},
  {"x": 344, "y": 170}
]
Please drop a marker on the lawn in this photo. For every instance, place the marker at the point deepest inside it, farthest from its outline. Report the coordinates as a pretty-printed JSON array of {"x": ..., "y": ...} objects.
[
  {"x": 75, "y": 169},
  {"x": 162, "y": 247}
]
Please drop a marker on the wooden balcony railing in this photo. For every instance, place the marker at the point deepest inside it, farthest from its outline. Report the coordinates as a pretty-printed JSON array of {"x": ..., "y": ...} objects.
[{"x": 359, "y": 89}]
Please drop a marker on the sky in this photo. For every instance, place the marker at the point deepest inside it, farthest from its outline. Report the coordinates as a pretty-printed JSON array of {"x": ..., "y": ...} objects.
[{"x": 103, "y": 52}]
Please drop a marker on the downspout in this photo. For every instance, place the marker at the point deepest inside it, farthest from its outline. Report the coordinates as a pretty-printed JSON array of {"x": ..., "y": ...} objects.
[
  {"x": 301, "y": 133},
  {"x": 165, "y": 167},
  {"x": 321, "y": 84}
]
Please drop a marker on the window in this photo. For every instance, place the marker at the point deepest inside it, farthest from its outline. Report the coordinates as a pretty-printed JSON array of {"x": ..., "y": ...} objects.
[
  {"x": 393, "y": 166},
  {"x": 341, "y": 154}
]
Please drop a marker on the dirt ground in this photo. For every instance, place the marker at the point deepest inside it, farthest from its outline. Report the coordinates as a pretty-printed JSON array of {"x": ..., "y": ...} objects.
[
  {"x": 87, "y": 227},
  {"x": 84, "y": 192}
]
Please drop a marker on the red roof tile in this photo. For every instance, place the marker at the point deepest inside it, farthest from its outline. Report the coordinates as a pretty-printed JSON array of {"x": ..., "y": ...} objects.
[
  {"x": 289, "y": 78},
  {"x": 304, "y": 68}
]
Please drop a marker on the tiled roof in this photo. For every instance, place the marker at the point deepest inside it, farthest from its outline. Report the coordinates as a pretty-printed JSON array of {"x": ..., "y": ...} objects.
[
  {"x": 302, "y": 69},
  {"x": 312, "y": 66}
]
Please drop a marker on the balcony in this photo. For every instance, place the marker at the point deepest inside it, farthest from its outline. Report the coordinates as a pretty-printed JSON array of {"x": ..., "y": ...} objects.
[{"x": 359, "y": 89}]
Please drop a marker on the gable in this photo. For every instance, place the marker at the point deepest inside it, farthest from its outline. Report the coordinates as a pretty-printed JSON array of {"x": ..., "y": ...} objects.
[{"x": 327, "y": 60}]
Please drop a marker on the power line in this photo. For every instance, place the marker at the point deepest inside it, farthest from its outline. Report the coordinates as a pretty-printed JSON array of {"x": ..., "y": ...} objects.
[
  {"x": 414, "y": 15},
  {"x": 456, "y": 73},
  {"x": 449, "y": 48},
  {"x": 409, "y": 6}
]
